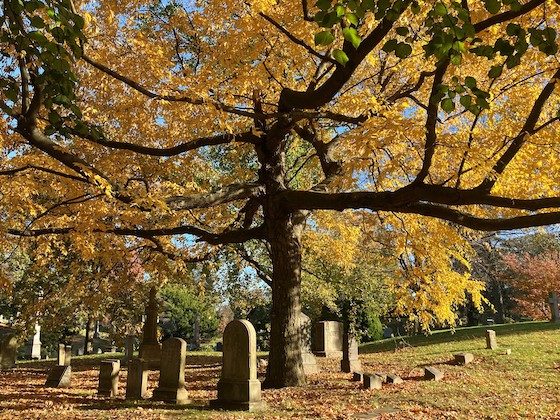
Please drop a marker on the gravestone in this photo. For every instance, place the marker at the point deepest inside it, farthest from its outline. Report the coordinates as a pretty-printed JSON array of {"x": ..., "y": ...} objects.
[
  {"x": 463, "y": 358},
  {"x": 36, "y": 343},
  {"x": 137, "y": 380},
  {"x": 109, "y": 377},
  {"x": 391, "y": 378},
  {"x": 150, "y": 348},
  {"x": 327, "y": 339},
  {"x": 357, "y": 376},
  {"x": 491, "y": 342},
  {"x": 67, "y": 355},
  {"x": 32, "y": 348},
  {"x": 432, "y": 373},
  {"x": 350, "y": 360},
  {"x": 238, "y": 387},
  {"x": 308, "y": 358},
  {"x": 129, "y": 347},
  {"x": 8, "y": 349},
  {"x": 171, "y": 387},
  {"x": 553, "y": 301},
  {"x": 372, "y": 381},
  {"x": 61, "y": 374}
]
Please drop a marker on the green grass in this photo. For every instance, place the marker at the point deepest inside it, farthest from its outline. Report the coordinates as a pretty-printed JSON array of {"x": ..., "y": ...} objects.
[{"x": 523, "y": 384}]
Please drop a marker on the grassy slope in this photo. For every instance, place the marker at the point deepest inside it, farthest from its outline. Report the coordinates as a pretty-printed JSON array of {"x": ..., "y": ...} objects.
[{"x": 523, "y": 384}]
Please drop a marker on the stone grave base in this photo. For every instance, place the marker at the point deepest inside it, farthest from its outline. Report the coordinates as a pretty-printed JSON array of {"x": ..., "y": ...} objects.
[
  {"x": 239, "y": 406},
  {"x": 171, "y": 395},
  {"x": 329, "y": 354},
  {"x": 59, "y": 377}
]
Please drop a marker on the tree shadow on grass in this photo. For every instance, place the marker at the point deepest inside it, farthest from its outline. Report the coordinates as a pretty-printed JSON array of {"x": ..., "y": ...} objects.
[{"x": 460, "y": 334}]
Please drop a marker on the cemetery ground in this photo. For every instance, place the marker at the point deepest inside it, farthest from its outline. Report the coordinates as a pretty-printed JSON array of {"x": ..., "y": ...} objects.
[{"x": 521, "y": 385}]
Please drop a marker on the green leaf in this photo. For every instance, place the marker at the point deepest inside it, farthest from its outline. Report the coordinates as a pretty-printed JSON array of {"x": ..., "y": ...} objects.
[
  {"x": 351, "y": 35},
  {"x": 340, "y": 10},
  {"x": 447, "y": 105},
  {"x": 493, "y": 6},
  {"x": 403, "y": 50},
  {"x": 324, "y": 38},
  {"x": 340, "y": 56},
  {"x": 402, "y": 31},
  {"x": 470, "y": 82},
  {"x": 323, "y": 4},
  {"x": 390, "y": 45},
  {"x": 352, "y": 18},
  {"x": 440, "y": 9},
  {"x": 466, "y": 101}
]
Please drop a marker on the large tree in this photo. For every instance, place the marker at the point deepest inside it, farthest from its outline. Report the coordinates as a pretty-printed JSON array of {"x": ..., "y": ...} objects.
[{"x": 164, "y": 122}]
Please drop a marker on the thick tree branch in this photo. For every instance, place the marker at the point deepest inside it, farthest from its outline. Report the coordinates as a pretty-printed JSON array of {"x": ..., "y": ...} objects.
[
  {"x": 225, "y": 195},
  {"x": 246, "y": 137},
  {"x": 290, "y": 99},
  {"x": 227, "y": 237}
]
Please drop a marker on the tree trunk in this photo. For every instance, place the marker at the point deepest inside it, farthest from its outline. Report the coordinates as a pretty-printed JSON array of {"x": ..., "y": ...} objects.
[{"x": 285, "y": 365}]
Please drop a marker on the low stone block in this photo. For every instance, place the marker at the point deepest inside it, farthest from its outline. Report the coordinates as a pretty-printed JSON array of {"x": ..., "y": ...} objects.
[
  {"x": 382, "y": 375},
  {"x": 59, "y": 377},
  {"x": 109, "y": 378},
  {"x": 463, "y": 358},
  {"x": 393, "y": 379},
  {"x": 357, "y": 376},
  {"x": 432, "y": 373},
  {"x": 137, "y": 380},
  {"x": 372, "y": 381},
  {"x": 507, "y": 352}
]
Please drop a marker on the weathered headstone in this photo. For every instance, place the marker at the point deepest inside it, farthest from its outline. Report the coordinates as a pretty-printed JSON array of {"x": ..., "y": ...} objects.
[
  {"x": 507, "y": 352},
  {"x": 238, "y": 387},
  {"x": 553, "y": 301},
  {"x": 219, "y": 346},
  {"x": 171, "y": 387},
  {"x": 61, "y": 355},
  {"x": 67, "y": 355},
  {"x": 8, "y": 349},
  {"x": 350, "y": 360},
  {"x": 327, "y": 339},
  {"x": 137, "y": 380},
  {"x": 372, "y": 381},
  {"x": 432, "y": 373},
  {"x": 463, "y": 358},
  {"x": 357, "y": 376},
  {"x": 36, "y": 343},
  {"x": 32, "y": 347},
  {"x": 491, "y": 342},
  {"x": 109, "y": 377},
  {"x": 150, "y": 348},
  {"x": 309, "y": 362}
]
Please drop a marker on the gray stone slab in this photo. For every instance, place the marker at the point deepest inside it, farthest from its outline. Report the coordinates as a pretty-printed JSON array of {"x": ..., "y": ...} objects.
[
  {"x": 372, "y": 381},
  {"x": 432, "y": 373},
  {"x": 59, "y": 377},
  {"x": 463, "y": 358}
]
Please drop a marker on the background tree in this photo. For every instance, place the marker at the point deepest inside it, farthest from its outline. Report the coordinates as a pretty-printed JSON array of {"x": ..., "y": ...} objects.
[{"x": 148, "y": 124}]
